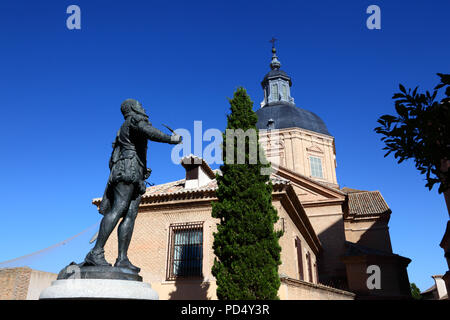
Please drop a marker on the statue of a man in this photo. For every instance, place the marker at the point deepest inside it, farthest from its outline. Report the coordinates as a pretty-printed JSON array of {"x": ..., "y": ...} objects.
[{"x": 126, "y": 183}]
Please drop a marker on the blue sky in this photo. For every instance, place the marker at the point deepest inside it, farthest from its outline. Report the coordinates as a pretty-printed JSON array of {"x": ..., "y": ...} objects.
[{"x": 61, "y": 90}]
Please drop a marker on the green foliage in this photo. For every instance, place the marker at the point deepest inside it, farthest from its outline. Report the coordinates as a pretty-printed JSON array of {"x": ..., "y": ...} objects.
[
  {"x": 245, "y": 244},
  {"x": 421, "y": 131},
  {"x": 415, "y": 291}
]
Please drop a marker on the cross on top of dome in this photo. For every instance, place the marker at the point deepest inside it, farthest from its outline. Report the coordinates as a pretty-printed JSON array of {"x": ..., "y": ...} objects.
[{"x": 275, "y": 64}]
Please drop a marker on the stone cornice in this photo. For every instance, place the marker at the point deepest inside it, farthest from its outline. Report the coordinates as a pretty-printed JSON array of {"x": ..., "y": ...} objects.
[
  {"x": 322, "y": 203},
  {"x": 332, "y": 194},
  {"x": 368, "y": 218},
  {"x": 375, "y": 259},
  {"x": 300, "y": 130}
]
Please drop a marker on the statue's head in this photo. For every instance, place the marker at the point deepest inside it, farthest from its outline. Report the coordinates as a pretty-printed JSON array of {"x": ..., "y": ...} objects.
[{"x": 132, "y": 106}]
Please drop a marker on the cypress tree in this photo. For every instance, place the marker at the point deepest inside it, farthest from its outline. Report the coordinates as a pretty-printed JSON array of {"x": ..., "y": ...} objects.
[{"x": 245, "y": 244}]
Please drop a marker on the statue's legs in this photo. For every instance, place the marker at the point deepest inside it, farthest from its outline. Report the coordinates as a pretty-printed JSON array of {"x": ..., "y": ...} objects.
[
  {"x": 125, "y": 232},
  {"x": 122, "y": 197}
]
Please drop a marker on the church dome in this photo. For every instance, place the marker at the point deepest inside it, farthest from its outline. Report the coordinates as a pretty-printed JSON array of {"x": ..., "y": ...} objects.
[
  {"x": 278, "y": 110},
  {"x": 281, "y": 116}
]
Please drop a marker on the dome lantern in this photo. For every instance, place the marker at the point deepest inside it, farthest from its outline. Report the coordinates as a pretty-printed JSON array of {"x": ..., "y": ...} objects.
[
  {"x": 276, "y": 84},
  {"x": 278, "y": 110}
]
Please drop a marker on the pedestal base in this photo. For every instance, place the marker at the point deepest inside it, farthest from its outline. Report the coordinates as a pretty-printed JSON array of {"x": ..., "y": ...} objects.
[
  {"x": 81, "y": 271},
  {"x": 101, "y": 289}
]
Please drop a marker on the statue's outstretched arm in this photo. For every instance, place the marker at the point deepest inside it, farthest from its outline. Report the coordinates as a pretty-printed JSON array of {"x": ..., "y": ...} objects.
[{"x": 156, "y": 135}]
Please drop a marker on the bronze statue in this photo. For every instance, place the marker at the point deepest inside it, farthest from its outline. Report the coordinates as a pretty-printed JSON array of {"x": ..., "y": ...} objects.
[{"x": 126, "y": 183}]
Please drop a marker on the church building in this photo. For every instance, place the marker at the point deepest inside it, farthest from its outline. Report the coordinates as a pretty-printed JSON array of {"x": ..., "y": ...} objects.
[{"x": 336, "y": 243}]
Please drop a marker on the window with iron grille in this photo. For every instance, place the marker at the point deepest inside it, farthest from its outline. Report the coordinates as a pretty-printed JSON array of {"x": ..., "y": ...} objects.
[{"x": 185, "y": 250}]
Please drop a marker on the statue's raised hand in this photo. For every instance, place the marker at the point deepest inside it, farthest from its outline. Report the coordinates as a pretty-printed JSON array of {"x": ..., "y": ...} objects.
[{"x": 175, "y": 138}]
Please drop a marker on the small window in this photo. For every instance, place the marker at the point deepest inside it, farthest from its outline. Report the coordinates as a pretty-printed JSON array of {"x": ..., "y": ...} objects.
[
  {"x": 284, "y": 92},
  {"x": 275, "y": 92},
  {"x": 316, "y": 167},
  {"x": 308, "y": 261},
  {"x": 316, "y": 272},
  {"x": 185, "y": 250},
  {"x": 298, "y": 245}
]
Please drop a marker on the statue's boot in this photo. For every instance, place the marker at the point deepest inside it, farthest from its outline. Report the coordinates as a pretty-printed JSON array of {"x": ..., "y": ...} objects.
[
  {"x": 96, "y": 258},
  {"x": 125, "y": 263}
]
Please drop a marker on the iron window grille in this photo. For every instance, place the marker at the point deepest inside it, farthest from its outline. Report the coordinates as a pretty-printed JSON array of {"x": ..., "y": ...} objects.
[{"x": 185, "y": 254}]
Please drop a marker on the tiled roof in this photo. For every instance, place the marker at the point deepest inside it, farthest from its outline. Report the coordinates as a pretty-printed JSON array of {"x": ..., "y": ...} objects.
[
  {"x": 350, "y": 190},
  {"x": 177, "y": 187},
  {"x": 430, "y": 289},
  {"x": 367, "y": 203}
]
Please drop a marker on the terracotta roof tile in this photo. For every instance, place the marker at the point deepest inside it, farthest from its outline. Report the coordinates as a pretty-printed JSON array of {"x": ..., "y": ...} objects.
[
  {"x": 367, "y": 203},
  {"x": 350, "y": 190},
  {"x": 177, "y": 187}
]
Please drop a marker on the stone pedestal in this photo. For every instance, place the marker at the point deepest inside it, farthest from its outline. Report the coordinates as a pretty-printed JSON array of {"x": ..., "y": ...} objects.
[
  {"x": 79, "y": 282},
  {"x": 88, "y": 289}
]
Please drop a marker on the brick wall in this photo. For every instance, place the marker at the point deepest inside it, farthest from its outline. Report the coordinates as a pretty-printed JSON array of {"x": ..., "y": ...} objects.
[
  {"x": 292, "y": 289},
  {"x": 328, "y": 224},
  {"x": 14, "y": 283},
  {"x": 289, "y": 257},
  {"x": 149, "y": 249},
  {"x": 150, "y": 242},
  {"x": 372, "y": 233}
]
